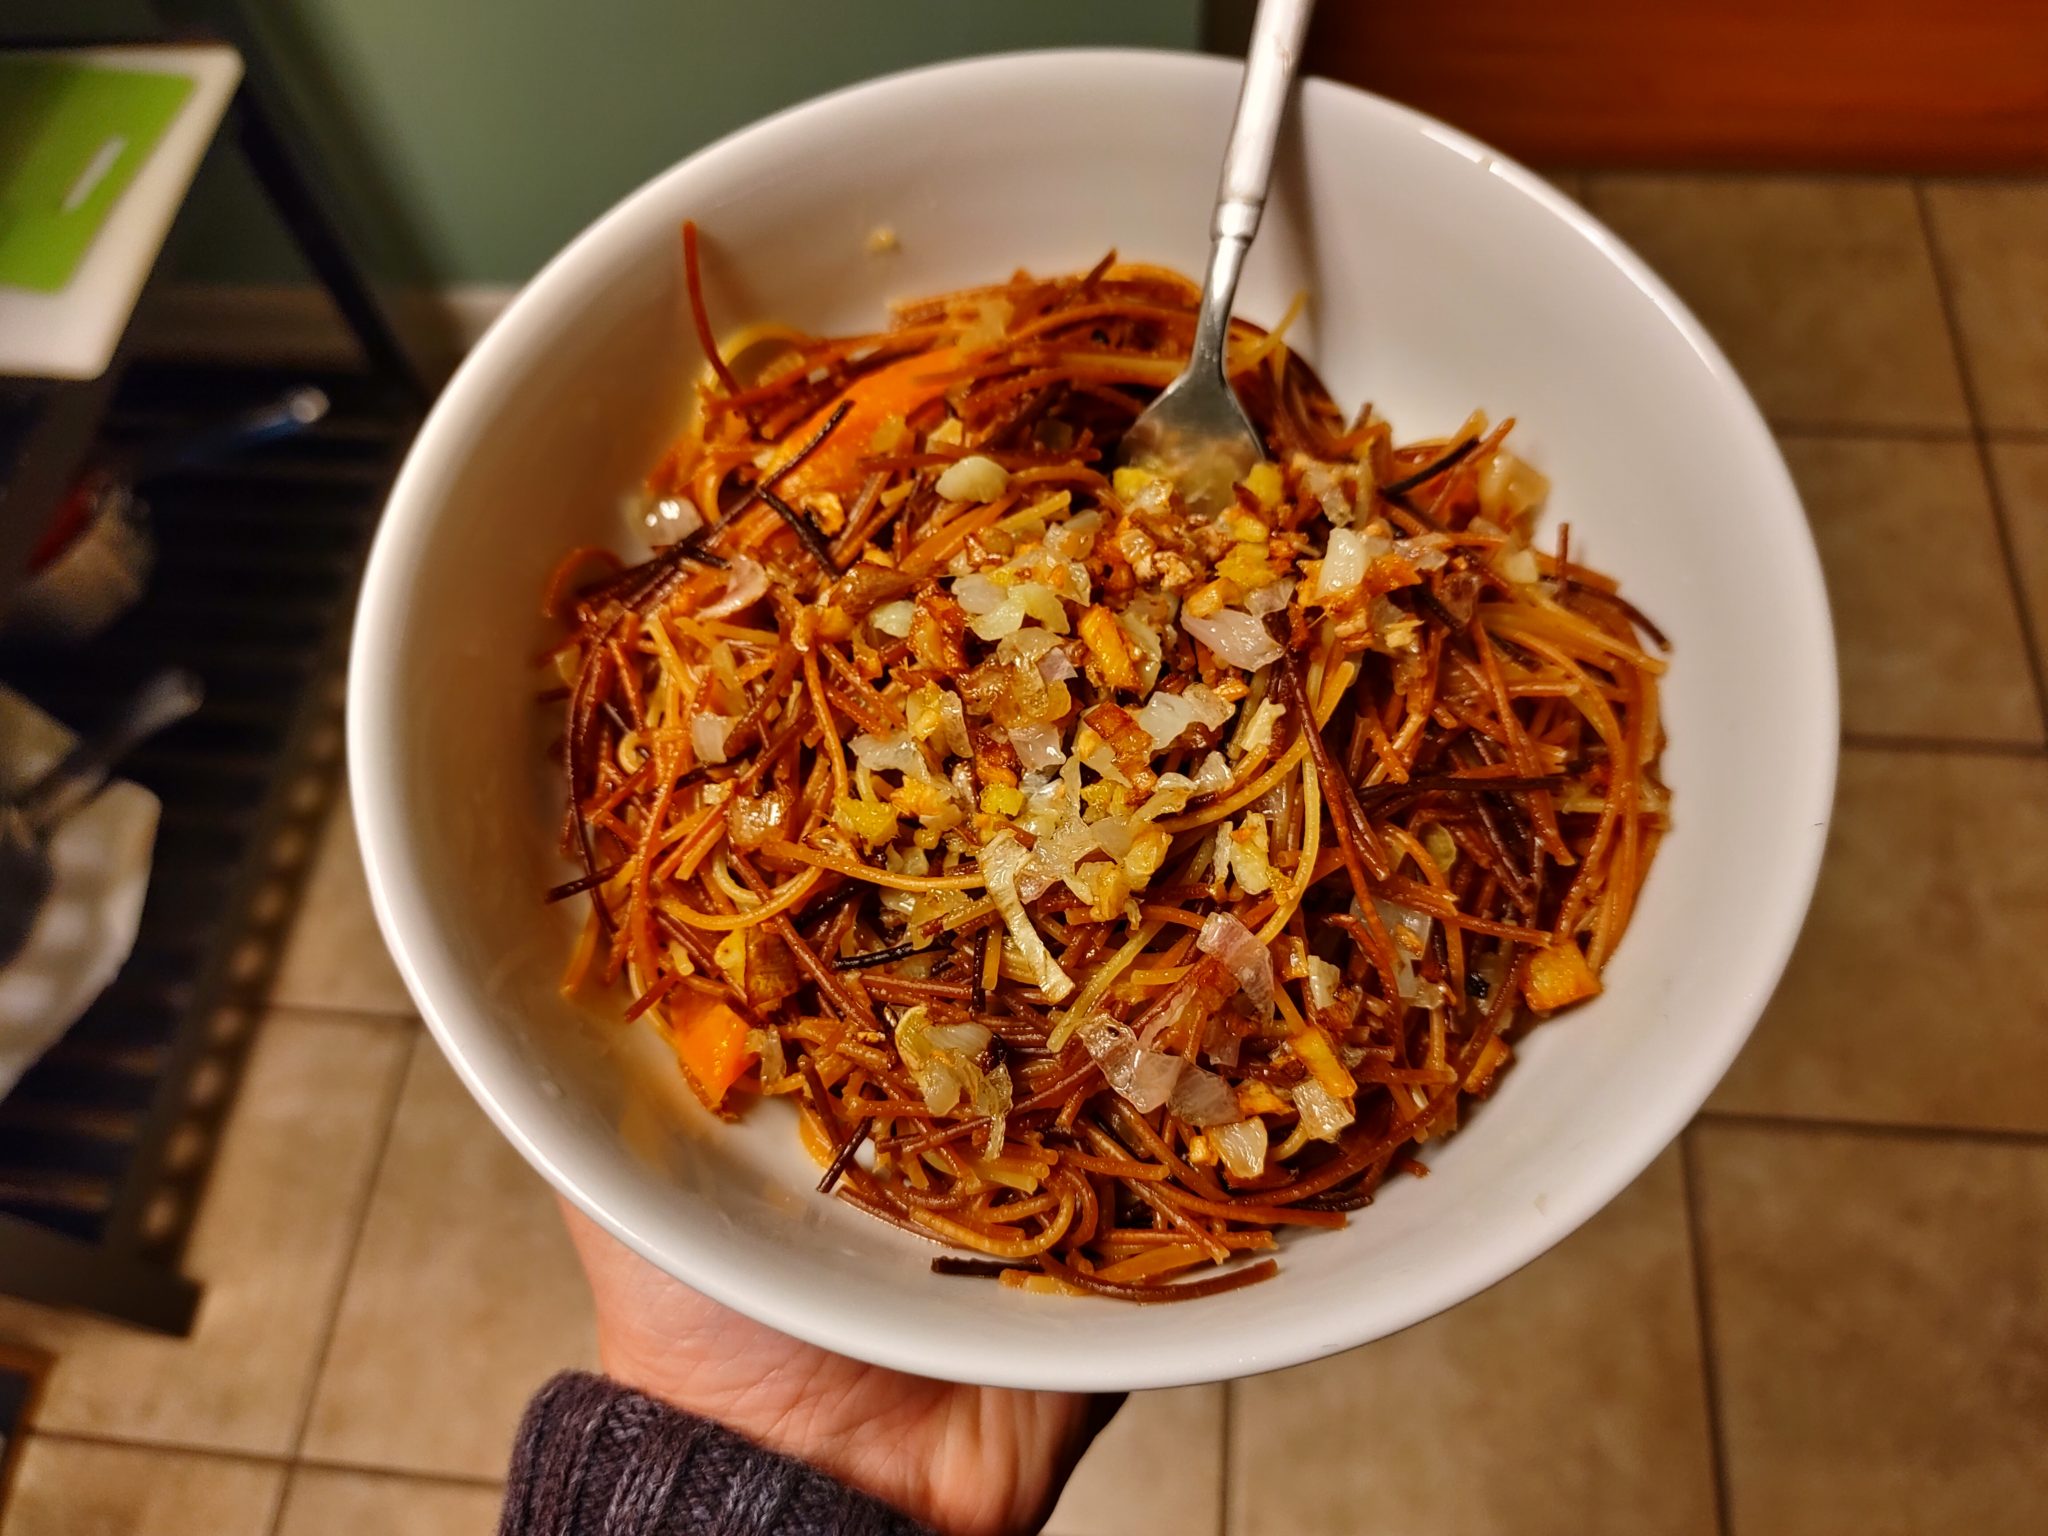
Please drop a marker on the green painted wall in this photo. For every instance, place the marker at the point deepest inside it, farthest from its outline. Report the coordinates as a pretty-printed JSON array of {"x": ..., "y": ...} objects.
[{"x": 476, "y": 136}]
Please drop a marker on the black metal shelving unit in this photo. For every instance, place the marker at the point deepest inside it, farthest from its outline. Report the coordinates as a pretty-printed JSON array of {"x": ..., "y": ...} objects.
[{"x": 104, "y": 1144}]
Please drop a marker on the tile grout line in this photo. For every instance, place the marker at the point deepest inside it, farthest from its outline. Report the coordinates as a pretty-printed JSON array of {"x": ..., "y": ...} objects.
[
  {"x": 361, "y": 1214},
  {"x": 1702, "y": 1300},
  {"x": 1223, "y": 1479},
  {"x": 1815, "y": 1125},
  {"x": 324, "y": 1014},
  {"x": 1877, "y": 431},
  {"x": 2030, "y": 632},
  {"x": 402, "y": 1474},
  {"x": 283, "y": 1462},
  {"x": 1862, "y": 431},
  {"x": 1964, "y": 746},
  {"x": 280, "y": 1496}
]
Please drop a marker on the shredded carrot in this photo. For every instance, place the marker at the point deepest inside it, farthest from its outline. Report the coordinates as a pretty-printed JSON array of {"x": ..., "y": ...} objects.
[
  {"x": 711, "y": 1042},
  {"x": 894, "y": 393}
]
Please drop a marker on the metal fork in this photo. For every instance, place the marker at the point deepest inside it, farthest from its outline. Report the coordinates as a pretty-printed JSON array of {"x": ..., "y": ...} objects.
[{"x": 1196, "y": 432}]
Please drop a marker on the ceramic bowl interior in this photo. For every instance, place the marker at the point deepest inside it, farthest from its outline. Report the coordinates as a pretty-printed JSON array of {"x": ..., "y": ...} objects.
[{"x": 1442, "y": 278}]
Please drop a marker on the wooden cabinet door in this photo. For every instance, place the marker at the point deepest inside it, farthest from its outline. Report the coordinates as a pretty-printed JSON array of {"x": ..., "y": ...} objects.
[{"x": 1950, "y": 85}]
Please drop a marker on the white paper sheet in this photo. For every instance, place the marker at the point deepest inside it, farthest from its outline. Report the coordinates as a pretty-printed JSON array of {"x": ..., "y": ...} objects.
[{"x": 100, "y": 862}]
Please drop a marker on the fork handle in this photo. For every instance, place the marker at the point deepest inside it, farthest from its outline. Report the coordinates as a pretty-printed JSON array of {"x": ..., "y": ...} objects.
[{"x": 1269, "y": 66}]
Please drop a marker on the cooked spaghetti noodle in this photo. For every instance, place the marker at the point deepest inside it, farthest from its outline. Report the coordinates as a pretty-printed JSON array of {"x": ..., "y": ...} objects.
[{"x": 1107, "y": 884}]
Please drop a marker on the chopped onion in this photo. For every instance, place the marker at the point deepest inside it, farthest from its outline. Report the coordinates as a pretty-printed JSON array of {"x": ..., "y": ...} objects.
[
  {"x": 730, "y": 956},
  {"x": 992, "y": 1098},
  {"x": 1169, "y": 797},
  {"x": 1242, "y": 955},
  {"x": 979, "y": 595},
  {"x": 1322, "y": 482},
  {"x": 1323, "y": 1115},
  {"x": 1104, "y": 1036},
  {"x": 1219, "y": 854},
  {"x": 767, "y": 1044},
  {"x": 1221, "y": 1042},
  {"x": 1144, "y": 492},
  {"x": 1406, "y": 919},
  {"x": 1114, "y": 834},
  {"x": 1073, "y": 538},
  {"x": 1002, "y": 860},
  {"x": 939, "y": 1083},
  {"x": 954, "y": 730},
  {"x": 942, "y": 1058},
  {"x": 1270, "y": 598},
  {"x": 1165, "y": 716},
  {"x": 1249, "y": 859},
  {"x": 1213, "y": 777},
  {"x": 1148, "y": 851},
  {"x": 1144, "y": 1078},
  {"x": 965, "y": 1039},
  {"x": 1236, "y": 637},
  {"x": 1058, "y": 852},
  {"x": 1242, "y": 1146},
  {"x": 1068, "y": 578},
  {"x": 1393, "y": 626},
  {"x": 1426, "y": 552},
  {"x": 1258, "y": 730},
  {"x": 1343, "y": 568},
  {"x": 746, "y": 583},
  {"x": 751, "y": 820},
  {"x": 974, "y": 478},
  {"x": 1508, "y": 487},
  {"x": 936, "y": 713},
  {"x": 1517, "y": 563},
  {"x": 1201, "y": 1098},
  {"x": 894, "y": 618},
  {"x": 707, "y": 736},
  {"x": 1211, "y": 708},
  {"x": 1038, "y": 747},
  {"x": 1415, "y": 926},
  {"x": 1026, "y": 600},
  {"x": 1143, "y": 616},
  {"x": 1322, "y": 984},
  {"x": 1103, "y": 761},
  {"x": 893, "y": 753},
  {"x": 1038, "y": 649}
]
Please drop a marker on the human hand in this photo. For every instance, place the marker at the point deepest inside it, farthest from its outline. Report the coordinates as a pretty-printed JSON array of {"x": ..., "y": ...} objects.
[{"x": 976, "y": 1461}]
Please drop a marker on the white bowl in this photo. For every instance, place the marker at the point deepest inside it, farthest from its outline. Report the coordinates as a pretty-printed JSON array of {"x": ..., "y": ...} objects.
[{"x": 1442, "y": 278}]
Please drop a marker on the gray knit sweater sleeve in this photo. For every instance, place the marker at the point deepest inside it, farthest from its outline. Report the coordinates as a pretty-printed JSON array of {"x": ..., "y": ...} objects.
[{"x": 595, "y": 1459}]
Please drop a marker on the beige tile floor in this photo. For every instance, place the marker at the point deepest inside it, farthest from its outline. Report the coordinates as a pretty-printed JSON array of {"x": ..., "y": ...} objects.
[{"x": 1825, "y": 1311}]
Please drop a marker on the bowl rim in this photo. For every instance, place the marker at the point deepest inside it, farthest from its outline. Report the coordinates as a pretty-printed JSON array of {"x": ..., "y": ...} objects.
[{"x": 374, "y": 704}]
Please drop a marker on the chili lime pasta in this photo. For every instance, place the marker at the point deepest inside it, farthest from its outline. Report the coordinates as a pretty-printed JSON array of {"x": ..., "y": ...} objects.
[{"x": 1108, "y": 884}]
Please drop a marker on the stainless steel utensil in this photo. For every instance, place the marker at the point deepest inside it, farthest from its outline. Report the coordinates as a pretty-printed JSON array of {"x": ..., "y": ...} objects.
[{"x": 1196, "y": 432}]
